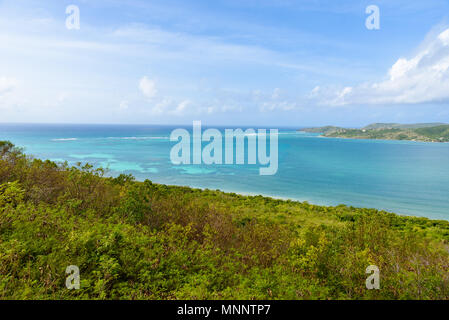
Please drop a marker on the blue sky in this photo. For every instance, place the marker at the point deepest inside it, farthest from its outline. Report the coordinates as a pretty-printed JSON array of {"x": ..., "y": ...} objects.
[{"x": 233, "y": 62}]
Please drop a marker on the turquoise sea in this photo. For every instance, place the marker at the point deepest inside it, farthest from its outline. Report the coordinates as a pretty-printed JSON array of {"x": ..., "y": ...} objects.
[{"x": 405, "y": 177}]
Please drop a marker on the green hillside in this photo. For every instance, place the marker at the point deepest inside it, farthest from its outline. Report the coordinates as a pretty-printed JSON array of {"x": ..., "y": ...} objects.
[
  {"x": 400, "y": 126},
  {"x": 140, "y": 240},
  {"x": 416, "y": 132},
  {"x": 437, "y": 133},
  {"x": 326, "y": 129}
]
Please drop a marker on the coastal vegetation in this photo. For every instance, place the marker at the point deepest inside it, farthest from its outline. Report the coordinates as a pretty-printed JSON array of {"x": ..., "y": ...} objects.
[
  {"x": 415, "y": 132},
  {"x": 142, "y": 240}
]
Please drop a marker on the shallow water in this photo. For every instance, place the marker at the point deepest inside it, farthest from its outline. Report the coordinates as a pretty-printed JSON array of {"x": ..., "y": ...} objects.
[{"x": 400, "y": 176}]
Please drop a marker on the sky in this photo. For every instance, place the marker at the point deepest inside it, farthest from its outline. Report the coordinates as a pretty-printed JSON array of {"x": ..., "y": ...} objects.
[{"x": 224, "y": 62}]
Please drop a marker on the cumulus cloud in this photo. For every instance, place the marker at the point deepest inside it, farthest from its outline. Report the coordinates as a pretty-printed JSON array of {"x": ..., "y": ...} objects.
[
  {"x": 221, "y": 101},
  {"x": 123, "y": 105},
  {"x": 9, "y": 98},
  {"x": 181, "y": 107},
  {"x": 421, "y": 78},
  {"x": 55, "y": 101},
  {"x": 159, "y": 104},
  {"x": 170, "y": 106},
  {"x": 7, "y": 85},
  {"x": 148, "y": 87},
  {"x": 275, "y": 101}
]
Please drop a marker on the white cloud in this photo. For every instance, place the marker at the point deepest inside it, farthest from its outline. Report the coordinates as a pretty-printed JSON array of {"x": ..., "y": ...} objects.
[
  {"x": 275, "y": 101},
  {"x": 56, "y": 101},
  {"x": 7, "y": 85},
  {"x": 231, "y": 107},
  {"x": 9, "y": 97},
  {"x": 444, "y": 37},
  {"x": 123, "y": 105},
  {"x": 210, "y": 50},
  {"x": 422, "y": 78},
  {"x": 278, "y": 105},
  {"x": 159, "y": 104},
  {"x": 170, "y": 106},
  {"x": 148, "y": 87},
  {"x": 315, "y": 91},
  {"x": 179, "y": 110},
  {"x": 276, "y": 93}
]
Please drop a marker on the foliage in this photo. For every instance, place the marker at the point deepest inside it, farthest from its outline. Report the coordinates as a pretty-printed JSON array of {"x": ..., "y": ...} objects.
[
  {"x": 431, "y": 134},
  {"x": 140, "y": 240}
]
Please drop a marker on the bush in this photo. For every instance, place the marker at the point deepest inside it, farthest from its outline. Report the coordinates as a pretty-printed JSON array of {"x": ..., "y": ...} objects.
[{"x": 140, "y": 240}]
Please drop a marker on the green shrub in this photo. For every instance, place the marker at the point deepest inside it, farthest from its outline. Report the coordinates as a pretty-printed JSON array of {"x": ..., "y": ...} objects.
[{"x": 140, "y": 240}]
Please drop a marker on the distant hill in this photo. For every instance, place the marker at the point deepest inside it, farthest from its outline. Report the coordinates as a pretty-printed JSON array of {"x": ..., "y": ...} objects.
[
  {"x": 325, "y": 129},
  {"x": 427, "y": 132},
  {"x": 438, "y": 132},
  {"x": 401, "y": 126}
]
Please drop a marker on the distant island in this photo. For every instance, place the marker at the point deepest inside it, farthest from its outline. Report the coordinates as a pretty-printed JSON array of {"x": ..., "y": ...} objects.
[{"x": 427, "y": 132}]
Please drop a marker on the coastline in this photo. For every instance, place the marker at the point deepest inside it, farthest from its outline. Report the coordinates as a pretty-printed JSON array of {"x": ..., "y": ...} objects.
[
  {"x": 374, "y": 139},
  {"x": 135, "y": 234},
  {"x": 421, "y": 132},
  {"x": 286, "y": 189},
  {"x": 295, "y": 200}
]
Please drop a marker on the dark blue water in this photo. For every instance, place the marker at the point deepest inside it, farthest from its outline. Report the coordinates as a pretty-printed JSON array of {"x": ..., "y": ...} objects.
[{"x": 404, "y": 177}]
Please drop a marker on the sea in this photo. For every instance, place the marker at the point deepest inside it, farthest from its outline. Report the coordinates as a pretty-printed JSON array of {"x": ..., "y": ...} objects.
[{"x": 404, "y": 177}]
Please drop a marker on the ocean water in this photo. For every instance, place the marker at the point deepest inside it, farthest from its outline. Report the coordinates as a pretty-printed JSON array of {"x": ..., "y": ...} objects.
[{"x": 410, "y": 178}]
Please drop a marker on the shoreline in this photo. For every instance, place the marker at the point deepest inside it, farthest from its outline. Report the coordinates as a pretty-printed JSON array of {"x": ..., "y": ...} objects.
[
  {"x": 151, "y": 239},
  {"x": 372, "y": 139},
  {"x": 322, "y": 203},
  {"x": 287, "y": 199},
  {"x": 283, "y": 198}
]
